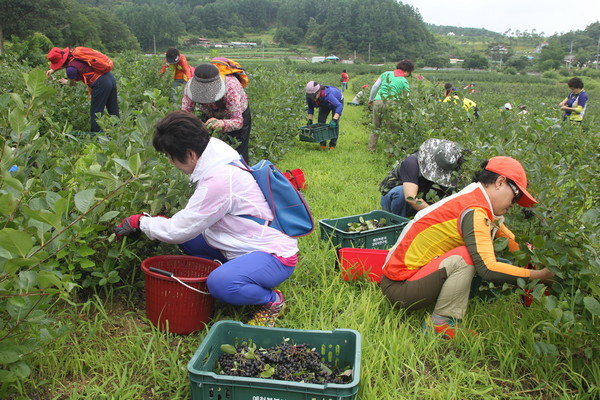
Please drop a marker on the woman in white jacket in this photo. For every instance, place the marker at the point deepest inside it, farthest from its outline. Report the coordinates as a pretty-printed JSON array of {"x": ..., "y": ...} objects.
[{"x": 214, "y": 224}]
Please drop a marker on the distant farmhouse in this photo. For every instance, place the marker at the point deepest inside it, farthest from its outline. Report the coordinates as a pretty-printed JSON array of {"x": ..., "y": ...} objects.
[
  {"x": 198, "y": 42},
  {"x": 246, "y": 45},
  {"x": 203, "y": 42}
]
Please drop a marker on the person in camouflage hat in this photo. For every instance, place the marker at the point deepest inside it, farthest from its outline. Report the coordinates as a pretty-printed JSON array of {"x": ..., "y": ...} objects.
[{"x": 433, "y": 167}]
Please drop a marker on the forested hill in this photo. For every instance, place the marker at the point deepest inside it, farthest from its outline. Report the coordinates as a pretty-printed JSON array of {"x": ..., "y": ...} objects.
[{"x": 341, "y": 26}]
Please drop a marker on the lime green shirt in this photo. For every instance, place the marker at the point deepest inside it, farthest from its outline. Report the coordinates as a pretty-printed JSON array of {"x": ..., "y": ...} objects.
[{"x": 391, "y": 85}]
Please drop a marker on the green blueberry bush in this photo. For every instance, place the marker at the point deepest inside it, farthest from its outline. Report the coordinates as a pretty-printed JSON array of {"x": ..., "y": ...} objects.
[{"x": 62, "y": 190}]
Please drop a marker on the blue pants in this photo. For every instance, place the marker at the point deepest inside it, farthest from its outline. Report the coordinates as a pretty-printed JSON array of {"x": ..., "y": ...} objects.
[
  {"x": 245, "y": 280},
  {"x": 104, "y": 95},
  {"x": 394, "y": 202}
]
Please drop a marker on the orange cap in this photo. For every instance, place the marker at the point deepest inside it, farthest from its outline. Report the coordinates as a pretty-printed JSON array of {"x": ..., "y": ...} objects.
[{"x": 513, "y": 170}]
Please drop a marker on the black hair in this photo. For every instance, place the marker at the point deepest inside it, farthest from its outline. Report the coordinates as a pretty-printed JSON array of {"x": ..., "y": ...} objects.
[
  {"x": 575, "y": 83},
  {"x": 484, "y": 176},
  {"x": 179, "y": 132},
  {"x": 172, "y": 52},
  {"x": 406, "y": 66},
  {"x": 449, "y": 89}
]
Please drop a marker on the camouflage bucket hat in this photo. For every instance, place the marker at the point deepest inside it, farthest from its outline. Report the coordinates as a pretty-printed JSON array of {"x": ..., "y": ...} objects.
[{"x": 438, "y": 158}]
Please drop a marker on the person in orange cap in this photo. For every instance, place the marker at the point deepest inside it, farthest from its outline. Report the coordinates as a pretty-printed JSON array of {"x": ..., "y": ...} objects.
[
  {"x": 102, "y": 86},
  {"x": 448, "y": 244}
]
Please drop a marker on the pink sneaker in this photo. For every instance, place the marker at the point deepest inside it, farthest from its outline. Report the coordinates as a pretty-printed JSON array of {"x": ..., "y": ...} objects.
[{"x": 269, "y": 313}]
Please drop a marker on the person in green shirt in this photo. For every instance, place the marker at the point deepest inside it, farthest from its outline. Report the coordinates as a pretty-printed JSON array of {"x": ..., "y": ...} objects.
[{"x": 389, "y": 85}]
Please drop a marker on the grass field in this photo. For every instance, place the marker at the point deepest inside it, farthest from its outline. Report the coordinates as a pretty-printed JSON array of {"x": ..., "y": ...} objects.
[{"x": 112, "y": 352}]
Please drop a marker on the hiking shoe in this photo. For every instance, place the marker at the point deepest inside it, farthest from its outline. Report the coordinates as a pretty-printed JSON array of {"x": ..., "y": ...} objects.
[
  {"x": 447, "y": 330},
  {"x": 269, "y": 312},
  {"x": 324, "y": 147},
  {"x": 331, "y": 147}
]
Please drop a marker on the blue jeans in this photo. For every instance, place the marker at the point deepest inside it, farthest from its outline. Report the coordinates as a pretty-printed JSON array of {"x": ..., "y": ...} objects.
[
  {"x": 394, "y": 202},
  {"x": 245, "y": 280}
]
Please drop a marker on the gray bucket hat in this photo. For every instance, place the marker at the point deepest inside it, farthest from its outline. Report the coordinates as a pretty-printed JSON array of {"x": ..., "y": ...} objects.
[
  {"x": 438, "y": 158},
  {"x": 207, "y": 85}
]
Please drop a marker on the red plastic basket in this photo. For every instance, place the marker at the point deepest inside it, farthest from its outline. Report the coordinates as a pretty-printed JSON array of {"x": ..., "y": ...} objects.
[
  {"x": 355, "y": 263},
  {"x": 171, "y": 306}
]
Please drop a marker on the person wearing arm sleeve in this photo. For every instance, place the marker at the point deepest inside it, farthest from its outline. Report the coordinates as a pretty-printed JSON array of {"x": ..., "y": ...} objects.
[
  {"x": 388, "y": 86},
  {"x": 255, "y": 258},
  {"x": 374, "y": 90},
  {"x": 440, "y": 252}
]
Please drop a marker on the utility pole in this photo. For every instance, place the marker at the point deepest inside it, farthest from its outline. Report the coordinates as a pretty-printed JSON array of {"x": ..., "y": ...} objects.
[
  {"x": 571, "y": 55},
  {"x": 598, "y": 54}
]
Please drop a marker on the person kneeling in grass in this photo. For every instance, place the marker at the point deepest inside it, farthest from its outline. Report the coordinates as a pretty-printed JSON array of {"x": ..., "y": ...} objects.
[
  {"x": 220, "y": 220},
  {"x": 448, "y": 243}
]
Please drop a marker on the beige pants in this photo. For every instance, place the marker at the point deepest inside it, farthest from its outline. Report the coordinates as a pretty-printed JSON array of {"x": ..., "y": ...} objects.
[
  {"x": 454, "y": 296},
  {"x": 377, "y": 108},
  {"x": 445, "y": 282}
]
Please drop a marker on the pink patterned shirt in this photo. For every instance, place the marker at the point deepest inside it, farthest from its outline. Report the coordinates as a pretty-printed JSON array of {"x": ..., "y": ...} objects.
[{"x": 235, "y": 100}]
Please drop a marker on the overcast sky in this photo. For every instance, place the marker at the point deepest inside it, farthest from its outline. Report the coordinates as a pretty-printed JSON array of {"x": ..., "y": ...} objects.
[{"x": 547, "y": 16}]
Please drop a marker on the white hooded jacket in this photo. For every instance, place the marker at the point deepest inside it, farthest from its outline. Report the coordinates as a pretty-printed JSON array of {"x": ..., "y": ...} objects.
[{"x": 223, "y": 194}]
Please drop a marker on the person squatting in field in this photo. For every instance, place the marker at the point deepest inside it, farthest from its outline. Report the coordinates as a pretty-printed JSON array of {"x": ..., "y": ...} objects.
[
  {"x": 448, "y": 244},
  {"x": 328, "y": 99},
  {"x": 432, "y": 167},
  {"x": 214, "y": 224},
  {"x": 223, "y": 103},
  {"x": 102, "y": 87}
]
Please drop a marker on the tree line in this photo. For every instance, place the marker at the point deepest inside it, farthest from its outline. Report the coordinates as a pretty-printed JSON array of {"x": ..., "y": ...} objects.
[
  {"x": 378, "y": 30},
  {"x": 342, "y": 26}
]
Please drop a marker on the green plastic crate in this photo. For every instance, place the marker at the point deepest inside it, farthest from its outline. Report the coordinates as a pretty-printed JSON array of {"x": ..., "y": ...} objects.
[
  {"x": 317, "y": 133},
  {"x": 380, "y": 238},
  {"x": 339, "y": 347}
]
